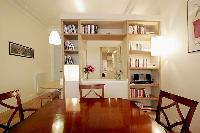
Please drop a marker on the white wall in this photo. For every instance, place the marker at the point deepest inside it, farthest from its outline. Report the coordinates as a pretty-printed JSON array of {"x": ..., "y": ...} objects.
[
  {"x": 180, "y": 70},
  {"x": 19, "y": 72}
]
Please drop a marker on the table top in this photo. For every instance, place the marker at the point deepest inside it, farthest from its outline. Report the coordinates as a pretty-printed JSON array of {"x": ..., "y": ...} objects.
[
  {"x": 52, "y": 85},
  {"x": 89, "y": 116}
]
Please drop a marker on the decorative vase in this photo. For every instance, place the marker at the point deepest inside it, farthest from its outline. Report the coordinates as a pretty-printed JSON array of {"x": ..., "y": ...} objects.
[{"x": 87, "y": 75}]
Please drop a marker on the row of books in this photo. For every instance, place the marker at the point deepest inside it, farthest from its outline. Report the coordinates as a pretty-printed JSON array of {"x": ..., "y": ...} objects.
[
  {"x": 138, "y": 62},
  {"x": 89, "y": 29},
  {"x": 141, "y": 92},
  {"x": 136, "y": 29},
  {"x": 70, "y": 29},
  {"x": 139, "y": 45}
]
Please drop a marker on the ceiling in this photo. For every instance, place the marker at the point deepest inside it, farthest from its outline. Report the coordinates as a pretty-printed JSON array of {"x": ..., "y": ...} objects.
[{"x": 49, "y": 12}]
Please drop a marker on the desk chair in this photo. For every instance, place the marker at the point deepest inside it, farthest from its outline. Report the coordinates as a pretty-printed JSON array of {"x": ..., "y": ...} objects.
[
  {"x": 8, "y": 95},
  {"x": 91, "y": 88},
  {"x": 177, "y": 100}
]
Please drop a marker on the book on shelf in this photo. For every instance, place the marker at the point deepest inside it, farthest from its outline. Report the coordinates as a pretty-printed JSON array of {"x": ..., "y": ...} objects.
[
  {"x": 89, "y": 29},
  {"x": 70, "y": 29},
  {"x": 139, "y": 92}
]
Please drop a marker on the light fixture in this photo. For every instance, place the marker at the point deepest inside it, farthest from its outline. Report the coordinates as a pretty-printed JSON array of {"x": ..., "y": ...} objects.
[
  {"x": 54, "y": 38},
  {"x": 156, "y": 45},
  {"x": 79, "y": 5}
]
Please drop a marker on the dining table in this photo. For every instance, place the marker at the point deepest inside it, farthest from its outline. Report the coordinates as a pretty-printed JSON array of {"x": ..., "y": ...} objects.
[{"x": 88, "y": 115}]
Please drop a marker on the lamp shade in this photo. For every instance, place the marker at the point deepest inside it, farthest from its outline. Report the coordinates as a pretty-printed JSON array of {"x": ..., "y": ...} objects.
[
  {"x": 71, "y": 72},
  {"x": 54, "y": 38},
  {"x": 156, "y": 45}
]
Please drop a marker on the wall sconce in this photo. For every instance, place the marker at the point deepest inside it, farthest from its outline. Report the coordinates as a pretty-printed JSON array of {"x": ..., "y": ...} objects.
[
  {"x": 157, "y": 43},
  {"x": 54, "y": 38}
]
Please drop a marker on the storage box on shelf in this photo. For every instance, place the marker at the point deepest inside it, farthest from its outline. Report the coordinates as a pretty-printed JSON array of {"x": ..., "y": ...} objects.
[{"x": 144, "y": 74}]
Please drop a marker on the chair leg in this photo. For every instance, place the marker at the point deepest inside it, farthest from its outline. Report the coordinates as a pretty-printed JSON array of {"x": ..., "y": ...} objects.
[{"x": 41, "y": 102}]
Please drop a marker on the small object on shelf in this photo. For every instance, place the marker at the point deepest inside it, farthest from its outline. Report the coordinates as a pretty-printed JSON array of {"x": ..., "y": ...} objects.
[
  {"x": 89, "y": 29},
  {"x": 136, "y": 29},
  {"x": 146, "y": 92},
  {"x": 69, "y": 45},
  {"x": 69, "y": 60},
  {"x": 69, "y": 29},
  {"x": 141, "y": 79},
  {"x": 142, "y": 30}
]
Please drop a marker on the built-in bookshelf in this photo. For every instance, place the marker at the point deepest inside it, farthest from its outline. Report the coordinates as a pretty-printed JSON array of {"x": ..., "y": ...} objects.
[
  {"x": 143, "y": 69},
  {"x": 70, "y": 42}
]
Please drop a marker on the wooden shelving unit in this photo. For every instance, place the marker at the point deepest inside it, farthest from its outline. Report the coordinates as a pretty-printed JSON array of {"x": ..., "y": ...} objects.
[
  {"x": 139, "y": 37},
  {"x": 141, "y": 63},
  {"x": 103, "y": 36},
  {"x": 144, "y": 98},
  {"x": 138, "y": 33},
  {"x": 70, "y": 44},
  {"x": 71, "y": 51},
  {"x": 143, "y": 85},
  {"x": 139, "y": 52},
  {"x": 144, "y": 68}
]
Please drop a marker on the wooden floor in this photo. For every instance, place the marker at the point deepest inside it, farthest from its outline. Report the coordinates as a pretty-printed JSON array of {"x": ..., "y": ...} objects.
[{"x": 34, "y": 103}]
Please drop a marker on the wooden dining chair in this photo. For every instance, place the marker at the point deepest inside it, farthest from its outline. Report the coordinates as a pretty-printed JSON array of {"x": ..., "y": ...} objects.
[
  {"x": 177, "y": 100},
  {"x": 18, "y": 107},
  {"x": 92, "y": 88}
]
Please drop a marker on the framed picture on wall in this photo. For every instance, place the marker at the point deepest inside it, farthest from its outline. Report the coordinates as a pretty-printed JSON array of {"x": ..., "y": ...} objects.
[
  {"x": 193, "y": 22},
  {"x": 20, "y": 50}
]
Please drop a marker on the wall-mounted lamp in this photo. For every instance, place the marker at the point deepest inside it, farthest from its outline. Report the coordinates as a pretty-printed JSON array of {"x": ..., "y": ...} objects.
[
  {"x": 54, "y": 38},
  {"x": 157, "y": 43}
]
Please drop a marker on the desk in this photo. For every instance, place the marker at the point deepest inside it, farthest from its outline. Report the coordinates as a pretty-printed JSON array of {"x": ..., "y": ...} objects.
[
  {"x": 88, "y": 116},
  {"x": 52, "y": 85}
]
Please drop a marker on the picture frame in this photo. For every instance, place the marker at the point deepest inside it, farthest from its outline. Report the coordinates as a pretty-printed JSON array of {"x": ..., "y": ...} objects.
[
  {"x": 193, "y": 24},
  {"x": 20, "y": 50}
]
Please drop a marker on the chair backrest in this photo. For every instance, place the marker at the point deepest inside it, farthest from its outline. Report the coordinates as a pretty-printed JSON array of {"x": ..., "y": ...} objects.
[
  {"x": 177, "y": 100},
  {"x": 91, "y": 88},
  {"x": 8, "y": 95}
]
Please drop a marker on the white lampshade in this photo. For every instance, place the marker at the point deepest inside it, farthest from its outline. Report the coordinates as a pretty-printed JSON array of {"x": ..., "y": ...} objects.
[
  {"x": 156, "y": 45},
  {"x": 54, "y": 38},
  {"x": 71, "y": 72}
]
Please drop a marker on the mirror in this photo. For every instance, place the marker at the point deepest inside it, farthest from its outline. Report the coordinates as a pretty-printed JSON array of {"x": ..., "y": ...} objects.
[
  {"x": 105, "y": 56},
  {"x": 110, "y": 62}
]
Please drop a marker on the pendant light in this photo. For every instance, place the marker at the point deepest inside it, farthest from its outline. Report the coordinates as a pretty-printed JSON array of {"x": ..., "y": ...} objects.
[{"x": 54, "y": 38}]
